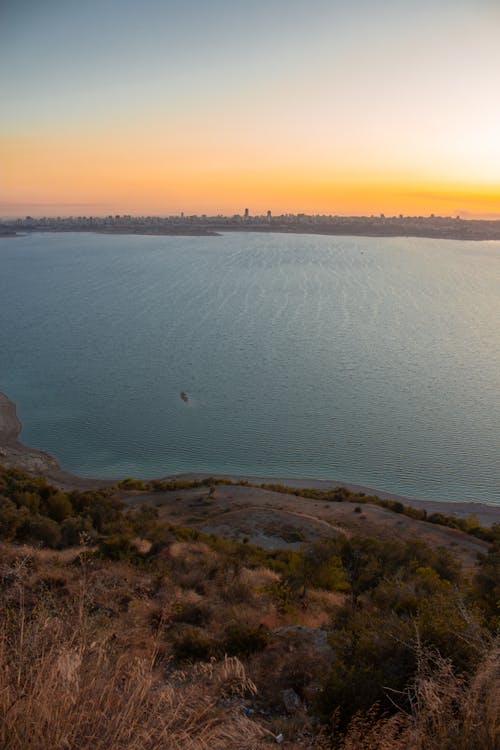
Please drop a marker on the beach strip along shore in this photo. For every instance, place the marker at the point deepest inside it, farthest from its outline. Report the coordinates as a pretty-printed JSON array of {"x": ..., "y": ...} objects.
[{"x": 40, "y": 463}]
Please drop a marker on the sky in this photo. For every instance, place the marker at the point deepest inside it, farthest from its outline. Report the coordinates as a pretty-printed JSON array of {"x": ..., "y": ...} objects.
[{"x": 211, "y": 106}]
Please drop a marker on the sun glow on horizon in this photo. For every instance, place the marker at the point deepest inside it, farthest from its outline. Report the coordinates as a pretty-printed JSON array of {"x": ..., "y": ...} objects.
[{"x": 319, "y": 110}]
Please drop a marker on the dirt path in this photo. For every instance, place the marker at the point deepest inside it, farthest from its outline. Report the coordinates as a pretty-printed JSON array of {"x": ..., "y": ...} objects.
[{"x": 282, "y": 511}]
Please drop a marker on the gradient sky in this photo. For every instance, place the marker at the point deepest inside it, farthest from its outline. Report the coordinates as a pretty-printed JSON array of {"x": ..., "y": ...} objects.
[{"x": 208, "y": 106}]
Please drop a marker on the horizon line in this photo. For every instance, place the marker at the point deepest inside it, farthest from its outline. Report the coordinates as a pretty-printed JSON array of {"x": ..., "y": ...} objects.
[{"x": 459, "y": 215}]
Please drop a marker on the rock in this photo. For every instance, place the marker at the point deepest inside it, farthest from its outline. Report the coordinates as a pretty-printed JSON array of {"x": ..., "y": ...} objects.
[
  {"x": 291, "y": 700},
  {"x": 300, "y": 635}
]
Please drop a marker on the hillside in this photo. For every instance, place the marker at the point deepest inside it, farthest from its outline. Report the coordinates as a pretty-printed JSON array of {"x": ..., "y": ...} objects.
[{"x": 145, "y": 615}]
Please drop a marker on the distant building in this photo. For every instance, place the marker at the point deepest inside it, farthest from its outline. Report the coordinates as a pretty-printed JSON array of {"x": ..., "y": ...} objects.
[
  {"x": 268, "y": 217},
  {"x": 245, "y": 217}
]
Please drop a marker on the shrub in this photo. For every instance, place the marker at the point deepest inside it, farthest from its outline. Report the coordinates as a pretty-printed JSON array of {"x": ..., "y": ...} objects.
[
  {"x": 11, "y": 518},
  {"x": 448, "y": 711},
  {"x": 74, "y": 530},
  {"x": 192, "y": 614},
  {"x": 486, "y": 588},
  {"x": 243, "y": 640},
  {"x": 118, "y": 547},
  {"x": 370, "y": 653},
  {"x": 144, "y": 520},
  {"x": 57, "y": 506},
  {"x": 42, "y": 530},
  {"x": 194, "y": 645},
  {"x": 29, "y": 500},
  {"x": 283, "y": 596},
  {"x": 323, "y": 567},
  {"x": 130, "y": 484}
]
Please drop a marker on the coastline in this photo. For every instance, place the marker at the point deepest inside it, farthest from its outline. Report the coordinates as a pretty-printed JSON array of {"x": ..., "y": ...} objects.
[
  {"x": 13, "y": 453},
  {"x": 424, "y": 227},
  {"x": 218, "y": 231}
]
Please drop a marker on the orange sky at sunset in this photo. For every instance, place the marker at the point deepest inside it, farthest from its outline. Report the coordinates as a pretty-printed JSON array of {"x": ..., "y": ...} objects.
[{"x": 319, "y": 109}]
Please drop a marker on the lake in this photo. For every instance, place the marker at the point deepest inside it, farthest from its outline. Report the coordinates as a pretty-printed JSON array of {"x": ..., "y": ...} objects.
[{"x": 366, "y": 360}]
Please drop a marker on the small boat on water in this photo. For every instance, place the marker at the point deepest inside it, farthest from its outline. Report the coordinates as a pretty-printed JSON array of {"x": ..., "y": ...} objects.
[{"x": 184, "y": 396}]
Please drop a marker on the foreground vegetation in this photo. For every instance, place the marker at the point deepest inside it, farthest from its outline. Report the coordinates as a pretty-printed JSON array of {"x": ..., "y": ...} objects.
[{"x": 119, "y": 630}]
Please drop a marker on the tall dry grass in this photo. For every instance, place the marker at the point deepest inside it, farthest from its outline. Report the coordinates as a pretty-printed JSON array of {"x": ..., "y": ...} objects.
[
  {"x": 56, "y": 693},
  {"x": 448, "y": 711},
  {"x": 67, "y": 682}
]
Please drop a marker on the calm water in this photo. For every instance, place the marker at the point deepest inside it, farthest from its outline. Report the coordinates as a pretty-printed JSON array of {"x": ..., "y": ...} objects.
[{"x": 373, "y": 361}]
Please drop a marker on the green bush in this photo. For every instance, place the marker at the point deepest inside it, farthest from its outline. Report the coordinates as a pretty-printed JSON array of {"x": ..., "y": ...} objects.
[
  {"x": 130, "y": 484},
  {"x": 143, "y": 520},
  {"x": 42, "y": 530},
  {"x": 76, "y": 530},
  {"x": 57, "y": 506},
  {"x": 323, "y": 566},
  {"x": 118, "y": 547},
  {"x": 11, "y": 518},
  {"x": 283, "y": 596},
  {"x": 486, "y": 587},
  {"x": 29, "y": 500},
  {"x": 102, "y": 509}
]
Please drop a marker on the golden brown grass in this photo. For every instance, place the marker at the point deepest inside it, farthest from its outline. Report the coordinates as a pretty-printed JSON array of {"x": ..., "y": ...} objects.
[
  {"x": 448, "y": 711},
  {"x": 60, "y": 691},
  {"x": 76, "y": 675},
  {"x": 86, "y": 654},
  {"x": 86, "y": 661}
]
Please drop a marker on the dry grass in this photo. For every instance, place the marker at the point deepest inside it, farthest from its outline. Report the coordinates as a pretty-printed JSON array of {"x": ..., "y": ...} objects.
[
  {"x": 86, "y": 662},
  {"x": 86, "y": 654},
  {"x": 448, "y": 711},
  {"x": 57, "y": 692},
  {"x": 72, "y": 678}
]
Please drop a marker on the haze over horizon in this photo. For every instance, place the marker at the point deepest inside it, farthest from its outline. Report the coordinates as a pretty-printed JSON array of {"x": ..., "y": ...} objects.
[{"x": 199, "y": 107}]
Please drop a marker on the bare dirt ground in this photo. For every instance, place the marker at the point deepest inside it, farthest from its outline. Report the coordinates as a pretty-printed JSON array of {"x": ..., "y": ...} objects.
[{"x": 276, "y": 520}]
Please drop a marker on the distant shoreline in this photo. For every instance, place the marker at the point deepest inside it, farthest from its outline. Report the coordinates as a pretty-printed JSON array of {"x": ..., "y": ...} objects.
[
  {"x": 443, "y": 228},
  {"x": 37, "y": 462}
]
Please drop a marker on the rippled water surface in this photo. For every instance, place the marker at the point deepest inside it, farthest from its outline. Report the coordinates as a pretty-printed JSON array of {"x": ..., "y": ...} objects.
[{"x": 366, "y": 360}]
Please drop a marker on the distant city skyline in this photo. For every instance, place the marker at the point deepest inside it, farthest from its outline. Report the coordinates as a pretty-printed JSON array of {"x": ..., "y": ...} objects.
[
  {"x": 243, "y": 216},
  {"x": 10, "y": 212},
  {"x": 321, "y": 107}
]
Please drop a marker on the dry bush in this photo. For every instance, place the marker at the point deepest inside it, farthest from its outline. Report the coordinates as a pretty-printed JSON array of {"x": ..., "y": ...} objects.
[
  {"x": 367, "y": 731},
  {"x": 231, "y": 613},
  {"x": 454, "y": 713},
  {"x": 258, "y": 578},
  {"x": 193, "y": 565},
  {"x": 319, "y": 607},
  {"x": 448, "y": 711}
]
